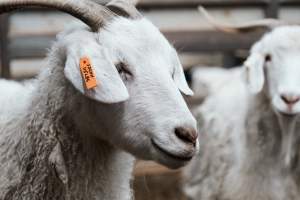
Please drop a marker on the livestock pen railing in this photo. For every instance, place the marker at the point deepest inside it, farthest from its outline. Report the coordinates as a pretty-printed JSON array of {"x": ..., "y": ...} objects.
[
  {"x": 185, "y": 38},
  {"x": 181, "y": 24}
]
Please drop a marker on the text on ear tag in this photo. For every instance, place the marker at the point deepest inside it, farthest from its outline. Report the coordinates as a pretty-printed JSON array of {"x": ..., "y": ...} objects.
[{"x": 88, "y": 73}]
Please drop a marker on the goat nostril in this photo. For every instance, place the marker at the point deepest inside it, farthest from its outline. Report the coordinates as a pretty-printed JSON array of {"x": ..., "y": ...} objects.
[
  {"x": 290, "y": 99},
  {"x": 187, "y": 135}
]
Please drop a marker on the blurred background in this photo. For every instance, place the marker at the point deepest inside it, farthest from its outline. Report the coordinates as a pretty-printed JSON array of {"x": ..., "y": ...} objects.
[{"x": 27, "y": 35}]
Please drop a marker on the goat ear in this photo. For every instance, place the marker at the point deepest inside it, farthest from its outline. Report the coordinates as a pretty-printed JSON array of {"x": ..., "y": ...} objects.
[
  {"x": 254, "y": 67},
  {"x": 110, "y": 87},
  {"x": 180, "y": 80}
]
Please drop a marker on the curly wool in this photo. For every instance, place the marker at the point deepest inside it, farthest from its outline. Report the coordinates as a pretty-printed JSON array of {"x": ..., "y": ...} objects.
[{"x": 42, "y": 152}]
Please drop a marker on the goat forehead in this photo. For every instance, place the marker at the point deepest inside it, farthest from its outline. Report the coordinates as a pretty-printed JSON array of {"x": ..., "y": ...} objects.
[
  {"x": 285, "y": 55},
  {"x": 282, "y": 39},
  {"x": 139, "y": 34},
  {"x": 138, "y": 42}
]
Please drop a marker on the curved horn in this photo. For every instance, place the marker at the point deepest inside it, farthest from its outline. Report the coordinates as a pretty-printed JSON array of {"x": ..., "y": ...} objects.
[
  {"x": 246, "y": 27},
  {"x": 91, "y": 13},
  {"x": 124, "y": 8}
]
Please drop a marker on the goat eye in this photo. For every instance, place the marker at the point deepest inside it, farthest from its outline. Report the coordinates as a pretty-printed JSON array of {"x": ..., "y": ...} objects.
[
  {"x": 268, "y": 58},
  {"x": 123, "y": 70}
]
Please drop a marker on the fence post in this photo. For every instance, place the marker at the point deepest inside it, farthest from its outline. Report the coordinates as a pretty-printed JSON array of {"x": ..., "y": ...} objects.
[
  {"x": 272, "y": 9},
  {"x": 4, "y": 54}
]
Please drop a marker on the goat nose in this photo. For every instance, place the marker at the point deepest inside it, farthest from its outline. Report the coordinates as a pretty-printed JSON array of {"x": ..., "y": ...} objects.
[
  {"x": 290, "y": 99},
  {"x": 187, "y": 135}
]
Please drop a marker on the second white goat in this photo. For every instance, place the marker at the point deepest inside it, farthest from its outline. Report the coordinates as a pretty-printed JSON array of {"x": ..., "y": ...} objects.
[{"x": 250, "y": 127}]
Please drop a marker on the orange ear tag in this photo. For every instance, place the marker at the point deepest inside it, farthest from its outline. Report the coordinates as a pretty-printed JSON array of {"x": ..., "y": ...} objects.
[{"x": 88, "y": 73}]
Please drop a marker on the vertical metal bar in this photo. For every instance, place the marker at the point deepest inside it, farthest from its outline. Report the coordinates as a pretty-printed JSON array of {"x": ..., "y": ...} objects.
[
  {"x": 4, "y": 54},
  {"x": 272, "y": 9},
  {"x": 229, "y": 60}
]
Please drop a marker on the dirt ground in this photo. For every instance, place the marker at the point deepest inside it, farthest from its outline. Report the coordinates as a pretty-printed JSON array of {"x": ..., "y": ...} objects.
[{"x": 158, "y": 187}]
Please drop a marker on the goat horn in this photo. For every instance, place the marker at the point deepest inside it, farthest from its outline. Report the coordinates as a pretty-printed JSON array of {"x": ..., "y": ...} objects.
[
  {"x": 124, "y": 8},
  {"x": 246, "y": 27},
  {"x": 93, "y": 14}
]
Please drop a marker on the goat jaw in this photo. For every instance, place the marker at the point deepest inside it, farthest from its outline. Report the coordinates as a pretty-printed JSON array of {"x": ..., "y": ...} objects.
[{"x": 289, "y": 141}]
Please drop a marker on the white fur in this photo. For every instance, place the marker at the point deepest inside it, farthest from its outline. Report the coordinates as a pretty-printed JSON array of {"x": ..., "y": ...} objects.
[
  {"x": 250, "y": 147},
  {"x": 207, "y": 80},
  {"x": 11, "y": 95},
  {"x": 60, "y": 141}
]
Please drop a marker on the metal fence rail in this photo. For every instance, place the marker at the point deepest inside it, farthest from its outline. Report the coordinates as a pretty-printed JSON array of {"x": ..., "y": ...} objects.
[{"x": 184, "y": 40}]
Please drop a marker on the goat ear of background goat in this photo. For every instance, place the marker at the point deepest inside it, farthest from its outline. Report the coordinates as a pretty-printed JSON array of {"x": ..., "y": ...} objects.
[{"x": 254, "y": 67}]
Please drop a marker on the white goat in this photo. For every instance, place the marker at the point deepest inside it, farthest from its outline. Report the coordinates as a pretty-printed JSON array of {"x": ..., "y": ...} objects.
[
  {"x": 250, "y": 127},
  {"x": 59, "y": 140}
]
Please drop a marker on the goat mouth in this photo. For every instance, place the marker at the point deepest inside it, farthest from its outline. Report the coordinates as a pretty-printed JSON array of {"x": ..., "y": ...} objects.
[
  {"x": 170, "y": 155},
  {"x": 287, "y": 114}
]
